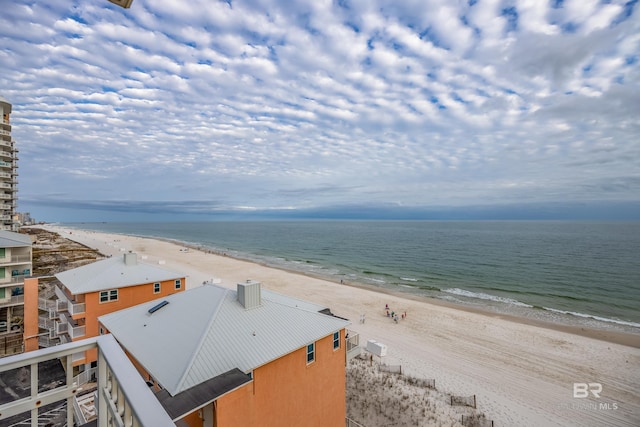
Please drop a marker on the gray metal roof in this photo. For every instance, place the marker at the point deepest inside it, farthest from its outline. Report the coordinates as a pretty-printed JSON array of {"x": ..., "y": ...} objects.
[
  {"x": 9, "y": 239},
  {"x": 205, "y": 332},
  {"x": 113, "y": 273}
]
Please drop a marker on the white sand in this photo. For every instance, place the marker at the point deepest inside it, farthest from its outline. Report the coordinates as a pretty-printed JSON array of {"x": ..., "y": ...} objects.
[{"x": 522, "y": 374}]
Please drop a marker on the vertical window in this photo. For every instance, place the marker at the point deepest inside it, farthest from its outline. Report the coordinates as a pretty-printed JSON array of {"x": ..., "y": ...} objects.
[
  {"x": 336, "y": 340},
  {"x": 156, "y": 288},
  {"x": 311, "y": 352},
  {"x": 104, "y": 296},
  {"x": 178, "y": 284}
]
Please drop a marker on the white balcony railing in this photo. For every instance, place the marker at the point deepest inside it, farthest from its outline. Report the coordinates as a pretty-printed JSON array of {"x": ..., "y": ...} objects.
[
  {"x": 14, "y": 300},
  {"x": 124, "y": 399},
  {"x": 353, "y": 342},
  {"x": 72, "y": 329},
  {"x": 76, "y": 331},
  {"x": 14, "y": 258},
  {"x": 13, "y": 279},
  {"x": 67, "y": 304},
  {"x": 76, "y": 308}
]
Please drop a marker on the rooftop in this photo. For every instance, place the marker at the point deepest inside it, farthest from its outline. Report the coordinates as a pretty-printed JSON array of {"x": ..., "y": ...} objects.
[
  {"x": 206, "y": 332},
  {"x": 114, "y": 273},
  {"x": 9, "y": 239}
]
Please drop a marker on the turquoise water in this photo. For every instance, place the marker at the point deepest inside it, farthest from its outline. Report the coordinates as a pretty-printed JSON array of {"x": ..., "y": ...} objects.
[{"x": 583, "y": 273}]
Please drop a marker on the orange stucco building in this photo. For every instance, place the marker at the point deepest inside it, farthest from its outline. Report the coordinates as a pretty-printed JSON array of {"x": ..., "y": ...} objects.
[
  {"x": 242, "y": 358},
  {"x": 289, "y": 391},
  {"x": 85, "y": 293}
]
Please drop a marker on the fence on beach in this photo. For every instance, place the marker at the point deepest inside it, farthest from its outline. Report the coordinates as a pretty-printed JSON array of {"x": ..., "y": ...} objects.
[
  {"x": 476, "y": 421},
  {"x": 470, "y": 417},
  {"x": 394, "y": 369},
  {"x": 463, "y": 401}
]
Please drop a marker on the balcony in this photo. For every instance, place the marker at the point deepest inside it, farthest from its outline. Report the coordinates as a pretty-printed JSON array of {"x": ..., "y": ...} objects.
[
  {"x": 15, "y": 259},
  {"x": 353, "y": 345},
  {"x": 13, "y": 300},
  {"x": 71, "y": 306},
  {"x": 14, "y": 280},
  {"x": 72, "y": 328},
  {"x": 123, "y": 398}
]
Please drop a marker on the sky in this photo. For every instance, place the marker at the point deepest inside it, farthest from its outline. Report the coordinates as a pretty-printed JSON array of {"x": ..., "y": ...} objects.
[{"x": 432, "y": 109}]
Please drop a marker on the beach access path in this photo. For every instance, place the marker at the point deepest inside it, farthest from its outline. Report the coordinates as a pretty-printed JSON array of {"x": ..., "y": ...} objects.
[{"x": 522, "y": 373}]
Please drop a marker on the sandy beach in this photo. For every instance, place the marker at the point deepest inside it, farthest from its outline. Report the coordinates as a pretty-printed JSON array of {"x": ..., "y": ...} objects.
[{"x": 522, "y": 373}]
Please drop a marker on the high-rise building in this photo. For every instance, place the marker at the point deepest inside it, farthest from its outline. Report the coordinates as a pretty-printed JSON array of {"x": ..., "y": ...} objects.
[{"x": 8, "y": 170}]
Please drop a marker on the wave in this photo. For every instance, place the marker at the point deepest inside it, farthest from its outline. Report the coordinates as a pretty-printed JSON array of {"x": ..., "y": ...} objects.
[
  {"x": 540, "y": 294},
  {"x": 483, "y": 296},
  {"x": 591, "y": 316},
  {"x": 409, "y": 279},
  {"x": 510, "y": 301}
]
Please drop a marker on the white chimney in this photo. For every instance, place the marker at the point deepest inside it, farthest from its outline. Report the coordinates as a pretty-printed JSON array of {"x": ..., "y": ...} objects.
[
  {"x": 249, "y": 294},
  {"x": 130, "y": 258}
]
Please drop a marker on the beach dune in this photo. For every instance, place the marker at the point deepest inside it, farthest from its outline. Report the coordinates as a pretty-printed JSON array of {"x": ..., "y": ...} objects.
[{"x": 522, "y": 373}]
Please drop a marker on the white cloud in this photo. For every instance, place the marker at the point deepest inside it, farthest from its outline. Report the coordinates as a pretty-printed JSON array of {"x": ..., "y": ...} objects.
[{"x": 369, "y": 102}]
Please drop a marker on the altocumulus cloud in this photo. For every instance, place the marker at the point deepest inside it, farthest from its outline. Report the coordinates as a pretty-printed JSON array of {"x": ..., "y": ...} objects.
[{"x": 278, "y": 107}]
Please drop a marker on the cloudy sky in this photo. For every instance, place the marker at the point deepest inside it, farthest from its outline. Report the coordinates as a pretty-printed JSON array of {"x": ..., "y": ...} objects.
[{"x": 306, "y": 108}]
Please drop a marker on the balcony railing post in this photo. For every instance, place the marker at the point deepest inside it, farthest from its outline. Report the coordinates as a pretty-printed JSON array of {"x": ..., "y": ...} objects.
[
  {"x": 69, "y": 365},
  {"x": 34, "y": 393}
]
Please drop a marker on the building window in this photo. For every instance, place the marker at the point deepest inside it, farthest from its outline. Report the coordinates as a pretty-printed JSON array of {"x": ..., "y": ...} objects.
[
  {"x": 106, "y": 296},
  {"x": 311, "y": 352},
  {"x": 178, "y": 284},
  {"x": 156, "y": 288},
  {"x": 336, "y": 340}
]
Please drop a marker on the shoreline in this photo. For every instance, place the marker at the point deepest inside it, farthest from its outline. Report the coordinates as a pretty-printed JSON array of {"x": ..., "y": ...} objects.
[
  {"x": 616, "y": 337},
  {"x": 522, "y": 371}
]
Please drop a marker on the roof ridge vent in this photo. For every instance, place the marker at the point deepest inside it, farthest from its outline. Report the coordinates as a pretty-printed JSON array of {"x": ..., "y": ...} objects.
[{"x": 249, "y": 294}]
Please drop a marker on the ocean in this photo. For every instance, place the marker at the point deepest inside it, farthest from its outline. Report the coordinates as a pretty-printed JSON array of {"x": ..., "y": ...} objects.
[{"x": 574, "y": 273}]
